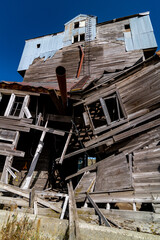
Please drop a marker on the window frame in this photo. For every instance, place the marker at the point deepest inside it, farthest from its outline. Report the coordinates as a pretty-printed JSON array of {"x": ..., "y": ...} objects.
[
  {"x": 24, "y": 109},
  {"x": 109, "y": 123}
]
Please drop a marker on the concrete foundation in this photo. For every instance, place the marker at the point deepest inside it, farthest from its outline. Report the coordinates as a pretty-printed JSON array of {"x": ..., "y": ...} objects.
[{"x": 58, "y": 229}]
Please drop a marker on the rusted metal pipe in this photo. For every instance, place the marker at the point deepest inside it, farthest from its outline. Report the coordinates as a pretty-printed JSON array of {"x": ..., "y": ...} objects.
[
  {"x": 81, "y": 61},
  {"x": 61, "y": 77}
]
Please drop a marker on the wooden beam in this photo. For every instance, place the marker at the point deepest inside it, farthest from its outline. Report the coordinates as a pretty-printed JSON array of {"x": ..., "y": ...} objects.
[
  {"x": 25, "y": 193},
  {"x": 107, "y": 142},
  {"x": 98, "y": 211},
  {"x": 136, "y": 130},
  {"x": 28, "y": 178},
  {"x": 9, "y": 159},
  {"x": 74, "y": 232},
  {"x": 58, "y": 118},
  {"x": 10, "y": 152},
  {"x": 17, "y": 92},
  {"x": 64, "y": 207},
  {"x": 66, "y": 146}
]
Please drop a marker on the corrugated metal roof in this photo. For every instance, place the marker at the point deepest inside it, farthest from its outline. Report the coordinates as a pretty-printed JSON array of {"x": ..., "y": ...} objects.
[
  {"x": 46, "y": 46},
  {"x": 141, "y": 35}
]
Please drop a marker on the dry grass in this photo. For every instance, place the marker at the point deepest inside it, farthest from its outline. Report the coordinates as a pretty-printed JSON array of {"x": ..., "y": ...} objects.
[{"x": 23, "y": 229}]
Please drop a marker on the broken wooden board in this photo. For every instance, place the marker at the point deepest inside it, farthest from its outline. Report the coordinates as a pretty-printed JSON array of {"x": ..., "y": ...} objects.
[
  {"x": 25, "y": 193},
  {"x": 86, "y": 183}
]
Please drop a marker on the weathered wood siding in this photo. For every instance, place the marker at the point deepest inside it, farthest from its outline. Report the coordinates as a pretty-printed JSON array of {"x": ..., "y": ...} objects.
[
  {"x": 113, "y": 174},
  {"x": 146, "y": 170},
  {"x": 141, "y": 90},
  {"x": 107, "y": 52}
]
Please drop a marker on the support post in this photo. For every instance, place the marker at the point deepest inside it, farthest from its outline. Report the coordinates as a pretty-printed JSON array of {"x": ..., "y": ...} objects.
[{"x": 28, "y": 178}]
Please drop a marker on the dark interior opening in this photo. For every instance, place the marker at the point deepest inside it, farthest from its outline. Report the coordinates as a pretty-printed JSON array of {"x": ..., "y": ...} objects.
[
  {"x": 127, "y": 27},
  {"x": 76, "y": 25},
  {"x": 114, "y": 108},
  {"x": 82, "y": 37},
  {"x": 76, "y": 38},
  {"x": 97, "y": 114}
]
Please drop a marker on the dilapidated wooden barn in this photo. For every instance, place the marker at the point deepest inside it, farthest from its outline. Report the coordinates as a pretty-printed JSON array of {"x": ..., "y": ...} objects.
[{"x": 86, "y": 112}]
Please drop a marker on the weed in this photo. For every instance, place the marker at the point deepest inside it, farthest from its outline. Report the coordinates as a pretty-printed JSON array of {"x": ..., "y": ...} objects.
[{"x": 22, "y": 229}]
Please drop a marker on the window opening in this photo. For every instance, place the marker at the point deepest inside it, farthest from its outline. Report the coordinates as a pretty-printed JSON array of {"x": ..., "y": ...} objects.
[
  {"x": 75, "y": 39},
  {"x": 106, "y": 111},
  {"x": 38, "y": 45},
  {"x": 97, "y": 114},
  {"x": 114, "y": 108},
  {"x": 17, "y": 106},
  {"x": 82, "y": 37},
  {"x": 127, "y": 27},
  {"x": 76, "y": 25}
]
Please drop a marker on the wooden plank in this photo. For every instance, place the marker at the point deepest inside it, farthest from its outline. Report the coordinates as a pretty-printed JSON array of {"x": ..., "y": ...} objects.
[
  {"x": 94, "y": 166},
  {"x": 10, "y": 152},
  {"x": 66, "y": 145},
  {"x": 64, "y": 207},
  {"x": 105, "y": 198},
  {"x": 25, "y": 104},
  {"x": 9, "y": 160},
  {"x": 13, "y": 201},
  {"x": 6, "y": 146},
  {"x": 10, "y": 104},
  {"x": 15, "y": 190},
  {"x": 58, "y": 118},
  {"x": 7, "y": 135},
  {"x": 28, "y": 178},
  {"x": 107, "y": 142},
  {"x": 136, "y": 130},
  {"x": 86, "y": 183},
  {"x": 22, "y": 125},
  {"x": 147, "y": 153},
  {"x": 7, "y": 126},
  {"x": 124, "y": 127},
  {"x": 25, "y": 193},
  {"x": 49, "y": 130},
  {"x": 48, "y": 204},
  {"x": 98, "y": 211},
  {"x": 27, "y": 112},
  {"x": 74, "y": 232},
  {"x": 105, "y": 110},
  {"x": 17, "y": 92}
]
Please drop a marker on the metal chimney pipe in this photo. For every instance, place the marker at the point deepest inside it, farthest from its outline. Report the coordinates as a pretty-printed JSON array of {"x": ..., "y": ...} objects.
[{"x": 61, "y": 77}]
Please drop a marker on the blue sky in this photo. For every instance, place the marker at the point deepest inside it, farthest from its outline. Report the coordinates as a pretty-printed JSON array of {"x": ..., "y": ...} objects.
[{"x": 21, "y": 20}]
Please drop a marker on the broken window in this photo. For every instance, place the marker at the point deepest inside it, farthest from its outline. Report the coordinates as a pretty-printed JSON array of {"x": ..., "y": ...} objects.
[
  {"x": 18, "y": 106},
  {"x": 106, "y": 112}
]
